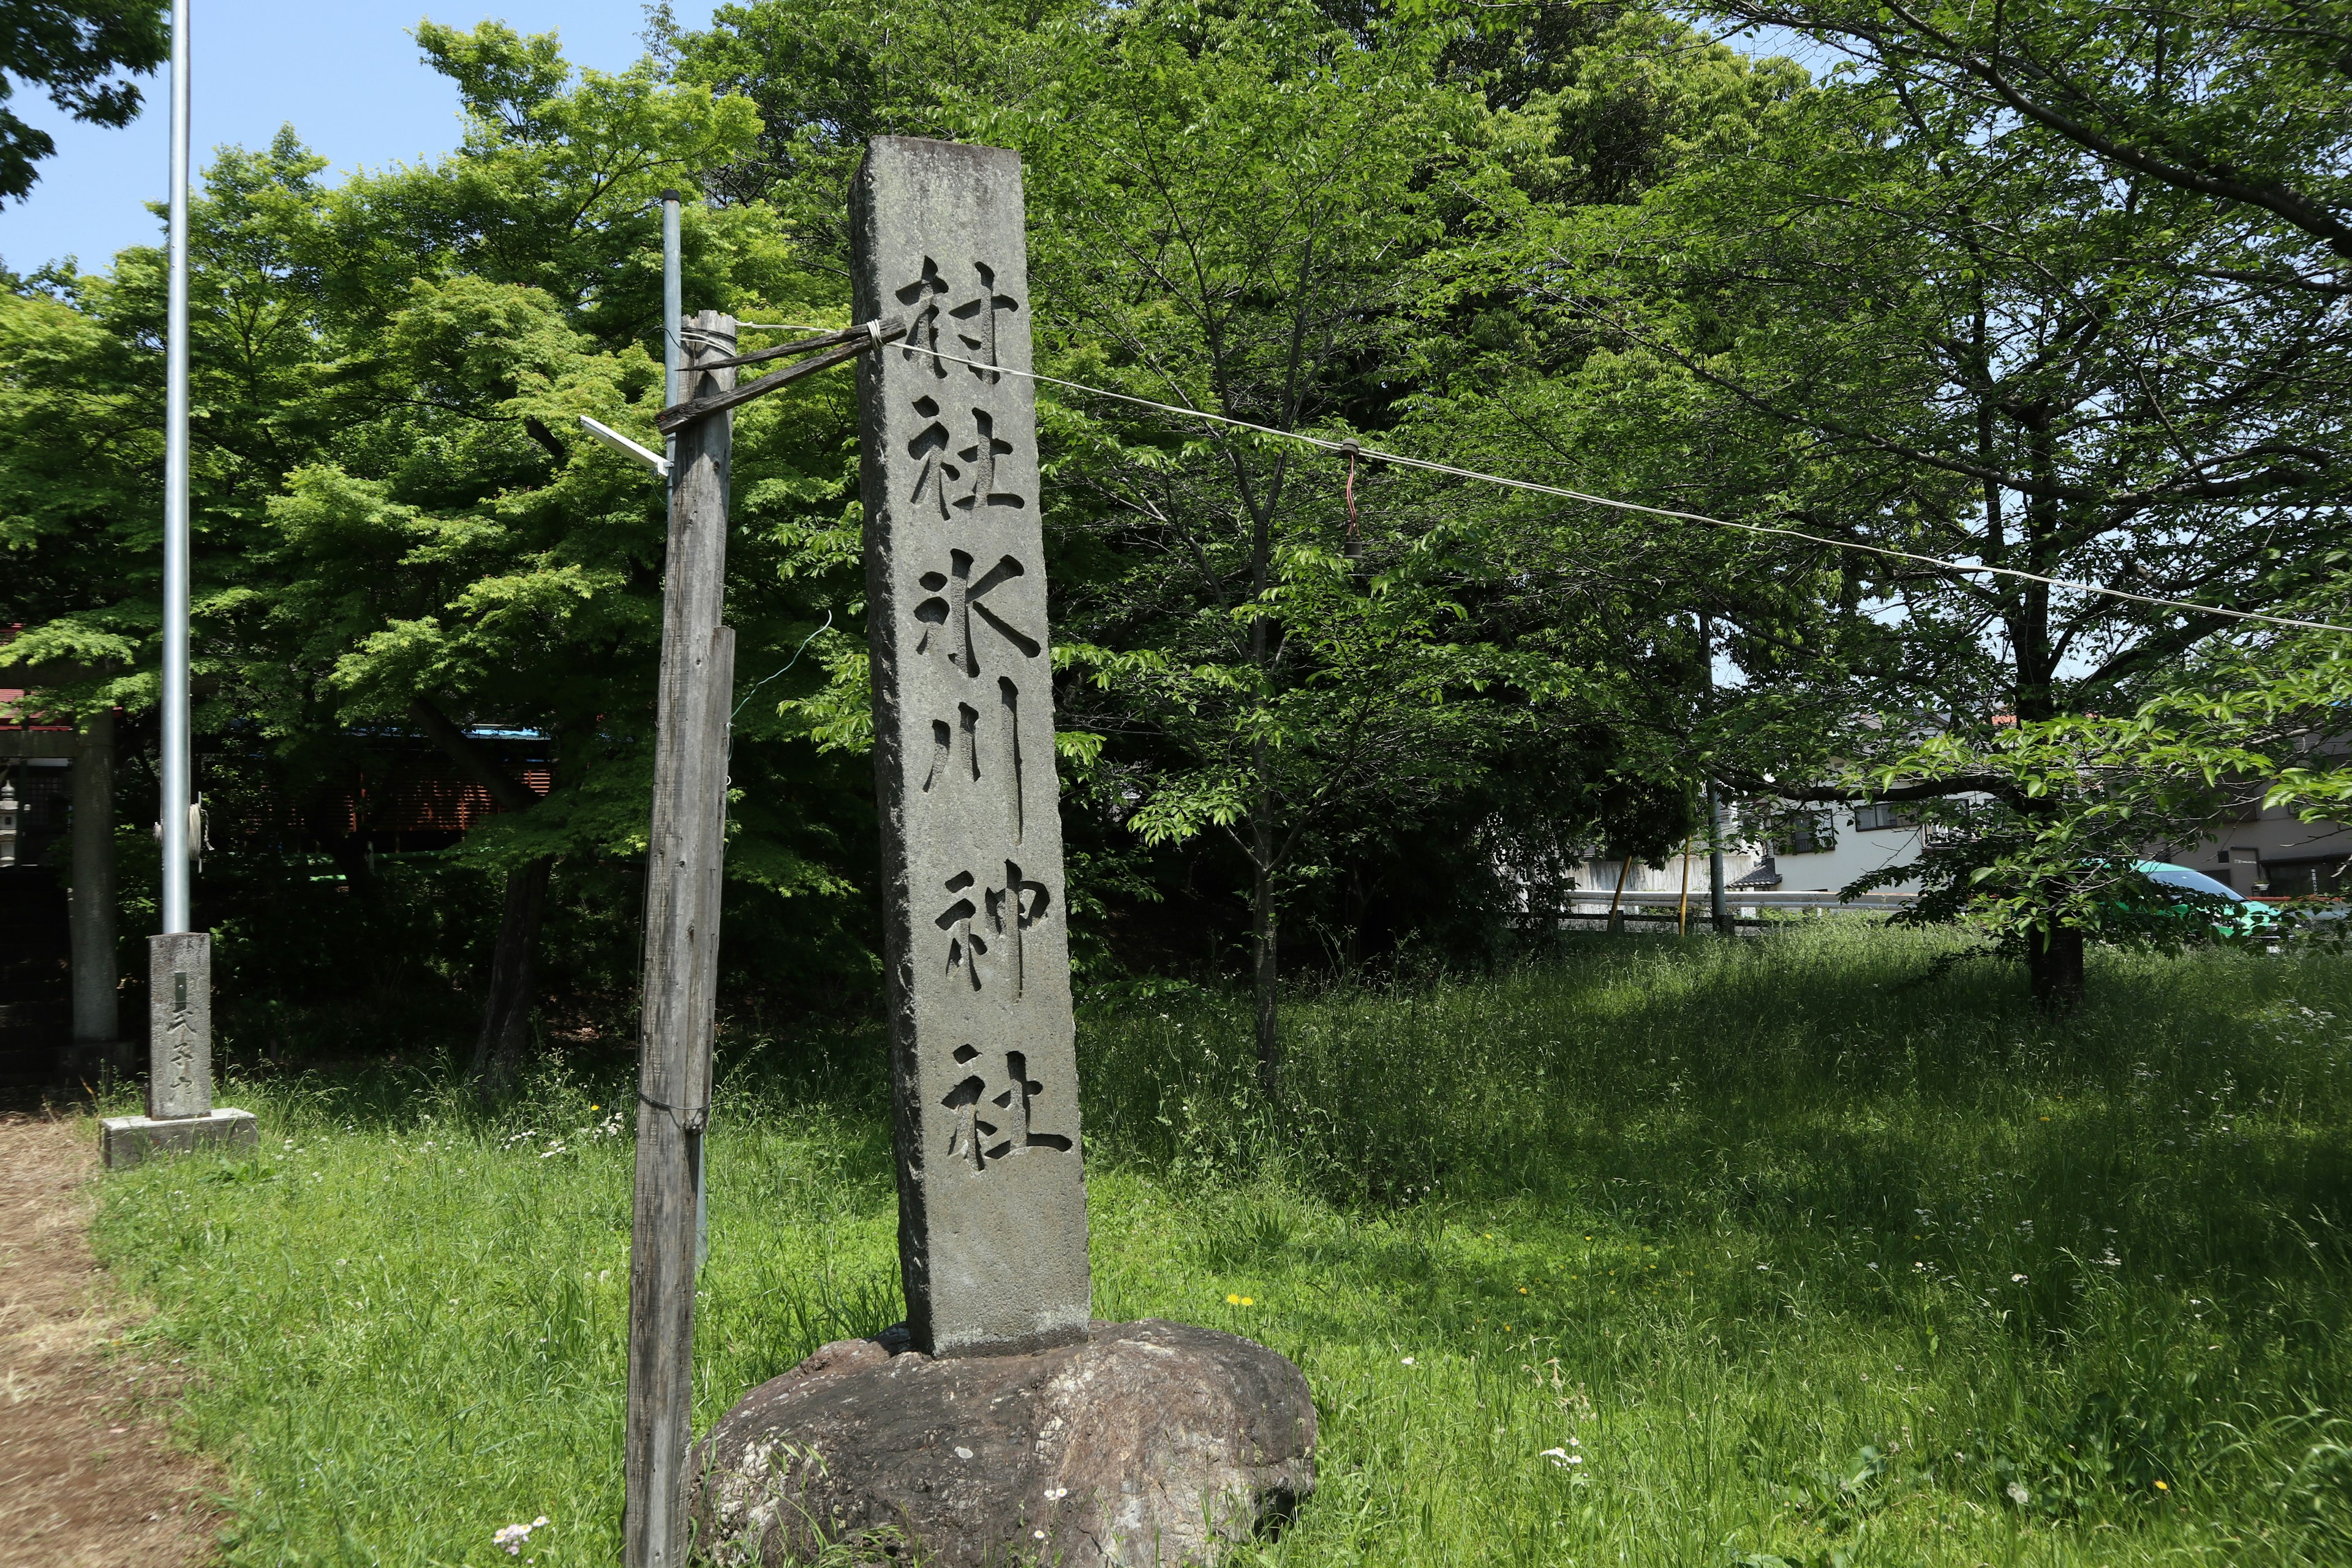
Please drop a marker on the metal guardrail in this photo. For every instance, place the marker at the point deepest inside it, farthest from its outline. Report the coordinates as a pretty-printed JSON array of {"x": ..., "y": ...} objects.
[
  {"x": 1586, "y": 905},
  {"x": 1753, "y": 910}
]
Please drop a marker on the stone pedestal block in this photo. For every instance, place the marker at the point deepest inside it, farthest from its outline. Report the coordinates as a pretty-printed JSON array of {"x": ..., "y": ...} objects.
[
  {"x": 1146, "y": 1444},
  {"x": 133, "y": 1139}
]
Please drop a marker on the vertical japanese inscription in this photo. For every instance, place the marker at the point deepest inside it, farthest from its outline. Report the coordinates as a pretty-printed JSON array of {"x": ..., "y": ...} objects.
[
  {"x": 179, "y": 1024},
  {"x": 992, "y": 1193}
]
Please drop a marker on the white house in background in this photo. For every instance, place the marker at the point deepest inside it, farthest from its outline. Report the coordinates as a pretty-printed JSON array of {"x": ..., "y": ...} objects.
[
  {"x": 2265, "y": 853},
  {"x": 1826, "y": 848},
  {"x": 1820, "y": 851}
]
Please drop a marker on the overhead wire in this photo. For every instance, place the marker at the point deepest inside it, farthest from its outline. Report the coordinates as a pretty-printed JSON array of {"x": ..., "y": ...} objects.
[{"x": 1353, "y": 449}]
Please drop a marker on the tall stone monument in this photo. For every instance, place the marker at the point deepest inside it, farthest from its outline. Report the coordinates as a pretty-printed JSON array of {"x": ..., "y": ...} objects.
[
  {"x": 992, "y": 1189},
  {"x": 999, "y": 1423},
  {"x": 181, "y": 1115}
]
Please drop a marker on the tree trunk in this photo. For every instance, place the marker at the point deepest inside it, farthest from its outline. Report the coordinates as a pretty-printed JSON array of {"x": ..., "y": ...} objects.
[
  {"x": 1265, "y": 932},
  {"x": 1718, "y": 911},
  {"x": 2054, "y": 962},
  {"x": 514, "y": 960},
  {"x": 351, "y": 858},
  {"x": 514, "y": 983}
]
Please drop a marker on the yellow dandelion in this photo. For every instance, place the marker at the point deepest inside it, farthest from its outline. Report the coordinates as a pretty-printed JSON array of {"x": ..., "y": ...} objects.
[
  {"x": 2162, "y": 1487},
  {"x": 1523, "y": 1289},
  {"x": 1231, "y": 1300},
  {"x": 1249, "y": 1301}
]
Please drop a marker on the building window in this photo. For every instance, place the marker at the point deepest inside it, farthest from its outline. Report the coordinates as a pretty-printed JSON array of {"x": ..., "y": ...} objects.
[
  {"x": 1880, "y": 816},
  {"x": 1805, "y": 833},
  {"x": 2307, "y": 878}
]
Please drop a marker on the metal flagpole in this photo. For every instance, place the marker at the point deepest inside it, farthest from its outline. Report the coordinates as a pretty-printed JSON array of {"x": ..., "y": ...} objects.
[
  {"x": 181, "y": 1115},
  {"x": 673, "y": 312},
  {"x": 176, "y": 759}
]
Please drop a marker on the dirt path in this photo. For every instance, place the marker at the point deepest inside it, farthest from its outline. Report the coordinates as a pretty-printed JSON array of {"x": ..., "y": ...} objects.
[{"x": 89, "y": 1475}]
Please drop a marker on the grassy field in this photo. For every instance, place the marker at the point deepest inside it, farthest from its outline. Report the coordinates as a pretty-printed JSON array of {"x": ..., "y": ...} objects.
[{"x": 1785, "y": 1256}]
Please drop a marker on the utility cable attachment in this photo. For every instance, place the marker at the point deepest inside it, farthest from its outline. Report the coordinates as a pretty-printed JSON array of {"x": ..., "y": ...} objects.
[
  {"x": 1354, "y": 548},
  {"x": 845, "y": 345}
]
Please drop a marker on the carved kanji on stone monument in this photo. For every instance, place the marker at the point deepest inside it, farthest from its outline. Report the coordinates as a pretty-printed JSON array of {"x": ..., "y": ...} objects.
[
  {"x": 180, "y": 1075},
  {"x": 992, "y": 1192}
]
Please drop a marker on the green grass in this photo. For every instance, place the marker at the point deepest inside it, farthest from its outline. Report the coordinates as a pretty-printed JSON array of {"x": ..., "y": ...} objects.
[{"x": 1797, "y": 1256}]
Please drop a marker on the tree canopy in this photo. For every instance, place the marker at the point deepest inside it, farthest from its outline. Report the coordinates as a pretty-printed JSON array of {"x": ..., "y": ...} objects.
[
  {"x": 2060, "y": 290},
  {"x": 84, "y": 52}
]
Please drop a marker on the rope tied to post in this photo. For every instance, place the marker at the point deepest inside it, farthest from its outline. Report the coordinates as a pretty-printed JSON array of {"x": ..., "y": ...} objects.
[
  {"x": 845, "y": 345},
  {"x": 1353, "y": 450},
  {"x": 691, "y": 1119}
]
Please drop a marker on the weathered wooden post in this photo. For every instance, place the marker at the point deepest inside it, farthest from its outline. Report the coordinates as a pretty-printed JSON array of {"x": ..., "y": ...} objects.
[
  {"x": 1002, "y": 1425},
  {"x": 685, "y": 867}
]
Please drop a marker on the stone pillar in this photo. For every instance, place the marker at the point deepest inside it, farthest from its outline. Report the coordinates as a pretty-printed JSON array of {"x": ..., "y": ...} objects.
[
  {"x": 181, "y": 1116},
  {"x": 95, "y": 1016},
  {"x": 180, "y": 1025},
  {"x": 992, "y": 1190}
]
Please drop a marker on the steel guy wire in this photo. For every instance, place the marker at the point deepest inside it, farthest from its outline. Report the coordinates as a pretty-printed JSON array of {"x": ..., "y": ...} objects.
[{"x": 1373, "y": 453}]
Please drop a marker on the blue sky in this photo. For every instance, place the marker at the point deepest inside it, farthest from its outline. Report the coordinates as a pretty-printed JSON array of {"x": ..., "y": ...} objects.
[{"x": 344, "y": 73}]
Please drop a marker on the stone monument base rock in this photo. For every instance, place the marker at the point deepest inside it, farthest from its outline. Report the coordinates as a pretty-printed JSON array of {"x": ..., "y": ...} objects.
[{"x": 1146, "y": 1445}]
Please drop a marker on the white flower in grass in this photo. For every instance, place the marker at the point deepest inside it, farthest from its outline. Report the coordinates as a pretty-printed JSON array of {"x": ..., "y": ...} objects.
[
  {"x": 1560, "y": 1458},
  {"x": 512, "y": 1539},
  {"x": 2017, "y": 1279},
  {"x": 1407, "y": 1361}
]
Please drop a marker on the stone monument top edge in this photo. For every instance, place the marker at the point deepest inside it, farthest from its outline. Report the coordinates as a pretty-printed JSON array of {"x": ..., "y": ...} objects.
[{"x": 930, "y": 147}]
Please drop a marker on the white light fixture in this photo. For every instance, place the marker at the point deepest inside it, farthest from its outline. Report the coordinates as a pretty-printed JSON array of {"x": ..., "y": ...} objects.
[{"x": 626, "y": 447}]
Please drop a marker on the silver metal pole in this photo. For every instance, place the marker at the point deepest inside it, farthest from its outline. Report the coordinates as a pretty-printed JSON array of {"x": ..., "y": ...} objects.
[{"x": 176, "y": 759}]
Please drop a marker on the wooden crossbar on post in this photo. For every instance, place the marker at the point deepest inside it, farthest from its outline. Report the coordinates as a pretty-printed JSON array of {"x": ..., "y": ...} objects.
[
  {"x": 863, "y": 335},
  {"x": 685, "y": 864},
  {"x": 856, "y": 341}
]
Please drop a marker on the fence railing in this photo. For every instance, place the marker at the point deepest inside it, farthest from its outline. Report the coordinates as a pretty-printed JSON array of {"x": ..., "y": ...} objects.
[{"x": 1748, "y": 908}]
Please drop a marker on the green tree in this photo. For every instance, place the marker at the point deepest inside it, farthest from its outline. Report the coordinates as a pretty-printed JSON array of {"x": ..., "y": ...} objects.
[
  {"x": 1228, "y": 204},
  {"x": 399, "y": 522},
  {"x": 1956, "y": 333},
  {"x": 82, "y": 51},
  {"x": 2241, "y": 104}
]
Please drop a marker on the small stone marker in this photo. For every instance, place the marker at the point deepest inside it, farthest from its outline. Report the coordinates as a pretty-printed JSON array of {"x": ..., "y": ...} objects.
[
  {"x": 992, "y": 1189},
  {"x": 181, "y": 1115},
  {"x": 180, "y": 1025}
]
